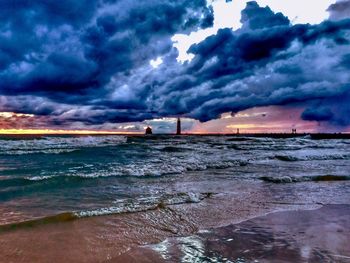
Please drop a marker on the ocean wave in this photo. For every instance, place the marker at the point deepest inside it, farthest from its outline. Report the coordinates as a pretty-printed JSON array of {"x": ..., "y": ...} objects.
[
  {"x": 175, "y": 149},
  {"x": 240, "y": 139},
  {"x": 319, "y": 178},
  {"x": 154, "y": 169},
  {"x": 295, "y": 158},
  {"x": 13, "y": 182},
  {"x": 40, "y": 178},
  {"x": 57, "y": 145},
  {"x": 144, "y": 204},
  {"x": 62, "y": 217},
  {"x": 227, "y": 164},
  {"x": 37, "y": 151},
  {"x": 119, "y": 207}
]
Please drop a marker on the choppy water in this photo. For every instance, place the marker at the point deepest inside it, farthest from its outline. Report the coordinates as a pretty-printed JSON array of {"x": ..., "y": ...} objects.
[{"x": 94, "y": 175}]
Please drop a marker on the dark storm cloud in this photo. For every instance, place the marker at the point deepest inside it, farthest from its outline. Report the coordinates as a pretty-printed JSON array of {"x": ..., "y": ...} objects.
[
  {"x": 335, "y": 110},
  {"x": 317, "y": 114},
  {"x": 345, "y": 61},
  {"x": 88, "y": 61},
  {"x": 339, "y": 10},
  {"x": 48, "y": 12},
  {"x": 257, "y": 17},
  {"x": 75, "y": 47},
  {"x": 266, "y": 62}
]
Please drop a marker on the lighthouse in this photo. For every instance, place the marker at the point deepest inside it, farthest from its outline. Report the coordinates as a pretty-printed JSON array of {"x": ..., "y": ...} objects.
[
  {"x": 148, "y": 131},
  {"x": 178, "y": 127}
]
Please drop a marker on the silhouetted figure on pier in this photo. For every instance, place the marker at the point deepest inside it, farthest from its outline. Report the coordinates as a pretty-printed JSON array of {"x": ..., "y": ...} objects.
[
  {"x": 178, "y": 128},
  {"x": 294, "y": 131},
  {"x": 148, "y": 130}
]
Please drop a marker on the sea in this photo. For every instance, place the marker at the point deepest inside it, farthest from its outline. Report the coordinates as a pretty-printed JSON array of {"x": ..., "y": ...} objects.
[{"x": 89, "y": 176}]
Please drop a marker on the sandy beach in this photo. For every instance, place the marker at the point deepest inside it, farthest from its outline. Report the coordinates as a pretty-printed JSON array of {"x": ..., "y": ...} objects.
[
  {"x": 292, "y": 236},
  {"x": 133, "y": 237}
]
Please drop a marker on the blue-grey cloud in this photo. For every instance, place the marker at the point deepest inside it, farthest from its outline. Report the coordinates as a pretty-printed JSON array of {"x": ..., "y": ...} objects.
[
  {"x": 256, "y": 17},
  {"x": 318, "y": 114},
  {"x": 73, "y": 47},
  {"x": 339, "y": 10},
  {"x": 260, "y": 64},
  {"x": 88, "y": 62}
]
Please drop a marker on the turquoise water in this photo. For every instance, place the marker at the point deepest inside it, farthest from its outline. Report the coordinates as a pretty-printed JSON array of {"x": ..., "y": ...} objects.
[{"x": 95, "y": 175}]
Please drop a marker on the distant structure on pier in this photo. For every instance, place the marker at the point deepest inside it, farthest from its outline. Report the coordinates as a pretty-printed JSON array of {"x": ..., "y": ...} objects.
[
  {"x": 148, "y": 130},
  {"x": 178, "y": 127},
  {"x": 294, "y": 131},
  {"x": 237, "y": 131}
]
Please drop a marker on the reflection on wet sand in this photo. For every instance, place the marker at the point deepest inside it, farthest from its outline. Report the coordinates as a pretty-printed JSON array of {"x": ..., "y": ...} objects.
[
  {"x": 117, "y": 237},
  {"x": 321, "y": 235}
]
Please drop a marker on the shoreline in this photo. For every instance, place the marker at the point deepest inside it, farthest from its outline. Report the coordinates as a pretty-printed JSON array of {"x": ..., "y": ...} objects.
[
  {"x": 176, "y": 199},
  {"x": 287, "y": 236},
  {"x": 104, "y": 238}
]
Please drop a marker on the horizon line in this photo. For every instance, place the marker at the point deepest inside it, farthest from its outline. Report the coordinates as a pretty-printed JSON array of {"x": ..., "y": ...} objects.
[{"x": 95, "y": 132}]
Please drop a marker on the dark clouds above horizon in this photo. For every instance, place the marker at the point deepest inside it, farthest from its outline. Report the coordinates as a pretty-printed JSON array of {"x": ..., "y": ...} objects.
[{"x": 88, "y": 62}]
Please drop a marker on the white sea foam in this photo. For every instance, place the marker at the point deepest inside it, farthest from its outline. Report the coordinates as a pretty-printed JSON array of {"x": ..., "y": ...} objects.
[
  {"x": 57, "y": 145},
  {"x": 145, "y": 203},
  {"x": 312, "y": 156},
  {"x": 40, "y": 178},
  {"x": 165, "y": 167},
  {"x": 198, "y": 155},
  {"x": 317, "y": 178}
]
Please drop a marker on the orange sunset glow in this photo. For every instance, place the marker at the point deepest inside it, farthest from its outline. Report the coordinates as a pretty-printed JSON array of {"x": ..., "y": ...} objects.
[
  {"x": 272, "y": 119},
  {"x": 72, "y": 132}
]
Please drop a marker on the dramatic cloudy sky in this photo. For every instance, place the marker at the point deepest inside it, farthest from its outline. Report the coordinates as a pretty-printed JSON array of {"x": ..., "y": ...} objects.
[{"x": 221, "y": 65}]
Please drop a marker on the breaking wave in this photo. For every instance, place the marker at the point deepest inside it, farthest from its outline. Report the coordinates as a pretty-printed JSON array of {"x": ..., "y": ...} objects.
[
  {"x": 319, "y": 178},
  {"x": 296, "y": 158},
  {"x": 119, "y": 207},
  {"x": 145, "y": 169},
  {"x": 144, "y": 204}
]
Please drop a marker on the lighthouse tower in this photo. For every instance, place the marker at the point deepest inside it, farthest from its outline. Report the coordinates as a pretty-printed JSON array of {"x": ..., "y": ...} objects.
[
  {"x": 148, "y": 131},
  {"x": 178, "y": 127}
]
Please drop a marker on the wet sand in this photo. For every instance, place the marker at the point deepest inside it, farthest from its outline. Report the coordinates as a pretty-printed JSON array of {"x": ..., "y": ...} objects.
[
  {"x": 321, "y": 235},
  {"x": 100, "y": 239},
  {"x": 117, "y": 238}
]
